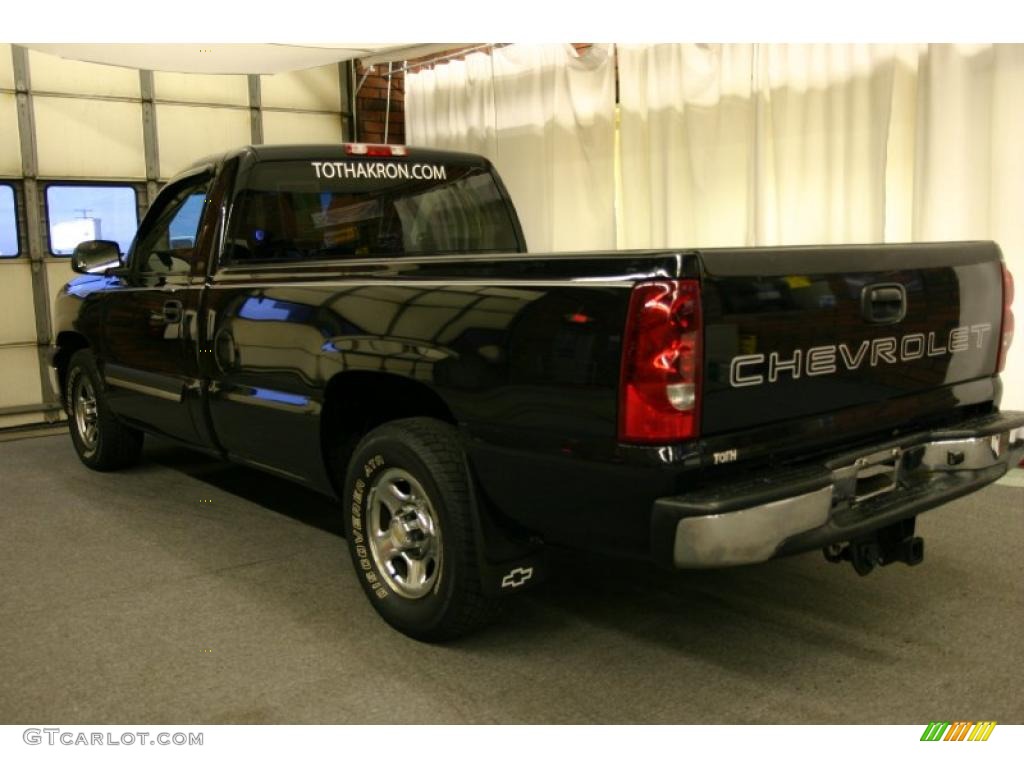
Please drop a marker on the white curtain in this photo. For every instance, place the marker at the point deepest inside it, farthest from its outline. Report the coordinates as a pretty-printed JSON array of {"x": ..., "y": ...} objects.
[
  {"x": 787, "y": 144},
  {"x": 821, "y": 129},
  {"x": 687, "y": 159},
  {"x": 753, "y": 144},
  {"x": 452, "y": 106},
  {"x": 545, "y": 117}
]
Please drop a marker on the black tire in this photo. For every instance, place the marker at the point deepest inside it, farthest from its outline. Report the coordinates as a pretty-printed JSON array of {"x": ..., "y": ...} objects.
[
  {"x": 111, "y": 445},
  {"x": 447, "y": 602}
]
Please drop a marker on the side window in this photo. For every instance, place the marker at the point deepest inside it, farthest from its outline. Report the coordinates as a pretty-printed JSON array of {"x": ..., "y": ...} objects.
[
  {"x": 79, "y": 212},
  {"x": 8, "y": 222},
  {"x": 168, "y": 244}
]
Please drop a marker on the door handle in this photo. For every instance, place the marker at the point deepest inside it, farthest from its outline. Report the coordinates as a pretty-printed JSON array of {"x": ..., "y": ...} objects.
[{"x": 171, "y": 313}]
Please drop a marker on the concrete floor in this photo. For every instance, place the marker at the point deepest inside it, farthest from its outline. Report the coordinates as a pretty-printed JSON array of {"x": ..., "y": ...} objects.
[{"x": 188, "y": 591}]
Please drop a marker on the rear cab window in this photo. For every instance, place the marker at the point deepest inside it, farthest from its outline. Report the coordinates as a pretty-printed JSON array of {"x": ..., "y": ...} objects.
[{"x": 310, "y": 209}]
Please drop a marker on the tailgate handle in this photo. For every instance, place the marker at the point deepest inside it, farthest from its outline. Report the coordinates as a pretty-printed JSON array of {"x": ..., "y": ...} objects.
[{"x": 884, "y": 303}]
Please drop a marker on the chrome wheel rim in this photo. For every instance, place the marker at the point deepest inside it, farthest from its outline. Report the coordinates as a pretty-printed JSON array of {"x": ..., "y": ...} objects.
[
  {"x": 404, "y": 534},
  {"x": 86, "y": 416}
]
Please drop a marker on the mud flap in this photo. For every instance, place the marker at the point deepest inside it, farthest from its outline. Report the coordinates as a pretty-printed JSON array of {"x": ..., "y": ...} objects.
[{"x": 510, "y": 562}]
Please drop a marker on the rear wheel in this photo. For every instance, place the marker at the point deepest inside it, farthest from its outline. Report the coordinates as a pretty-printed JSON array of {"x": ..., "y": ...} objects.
[
  {"x": 410, "y": 530},
  {"x": 102, "y": 442}
]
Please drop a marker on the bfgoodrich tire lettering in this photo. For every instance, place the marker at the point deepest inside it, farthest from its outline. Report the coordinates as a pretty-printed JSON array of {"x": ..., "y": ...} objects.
[
  {"x": 409, "y": 524},
  {"x": 102, "y": 442}
]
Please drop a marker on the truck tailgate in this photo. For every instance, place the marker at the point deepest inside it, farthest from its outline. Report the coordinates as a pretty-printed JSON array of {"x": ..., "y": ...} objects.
[{"x": 796, "y": 332}]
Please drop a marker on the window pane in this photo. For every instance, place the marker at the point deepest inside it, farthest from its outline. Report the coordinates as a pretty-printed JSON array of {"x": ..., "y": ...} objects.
[
  {"x": 8, "y": 223},
  {"x": 168, "y": 243},
  {"x": 286, "y": 212},
  {"x": 185, "y": 224},
  {"x": 78, "y": 213}
]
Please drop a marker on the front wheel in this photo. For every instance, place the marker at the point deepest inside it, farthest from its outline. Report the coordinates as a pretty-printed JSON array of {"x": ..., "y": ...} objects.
[
  {"x": 102, "y": 442},
  {"x": 409, "y": 524}
]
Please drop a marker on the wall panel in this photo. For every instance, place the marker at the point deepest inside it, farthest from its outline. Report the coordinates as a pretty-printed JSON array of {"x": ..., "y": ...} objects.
[
  {"x": 20, "y": 383},
  {"x": 10, "y": 144},
  {"x": 57, "y": 75},
  {"x": 8, "y": 422},
  {"x": 188, "y": 133},
  {"x": 17, "y": 313},
  {"x": 210, "y": 89},
  {"x": 82, "y": 138},
  {"x": 6, "y": 66},
  {"x": 301, "y": 128},
  {"x": 317, "y": 88}
]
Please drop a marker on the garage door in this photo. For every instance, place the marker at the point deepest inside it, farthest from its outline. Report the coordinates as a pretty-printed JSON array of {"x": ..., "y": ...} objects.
[{"x": 84, "y": 148}]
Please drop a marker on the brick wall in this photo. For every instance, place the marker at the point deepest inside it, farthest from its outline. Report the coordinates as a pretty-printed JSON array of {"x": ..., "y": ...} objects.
[{"x": 371, "y": 105}]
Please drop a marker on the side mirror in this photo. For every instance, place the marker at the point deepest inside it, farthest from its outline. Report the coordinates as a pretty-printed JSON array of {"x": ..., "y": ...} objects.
[{"x": 93, "y": 257}]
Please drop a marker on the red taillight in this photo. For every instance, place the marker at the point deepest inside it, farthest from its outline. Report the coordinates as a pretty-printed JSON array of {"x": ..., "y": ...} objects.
[
  {"x": 1007, "y": 333},
  {"x": 659, "y": 388},
  {"x": 376, "y": 150}
]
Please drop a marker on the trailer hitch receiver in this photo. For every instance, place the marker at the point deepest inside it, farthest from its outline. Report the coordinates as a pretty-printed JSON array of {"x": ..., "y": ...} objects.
[{"x": 893, "y": 544}]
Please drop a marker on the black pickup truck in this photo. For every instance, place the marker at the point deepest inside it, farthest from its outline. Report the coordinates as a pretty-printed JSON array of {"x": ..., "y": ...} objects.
[{"x": 366, "y": 320}]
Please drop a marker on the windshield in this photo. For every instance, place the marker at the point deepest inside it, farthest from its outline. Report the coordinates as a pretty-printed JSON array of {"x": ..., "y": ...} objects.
[{"x": 299, "y": 210}]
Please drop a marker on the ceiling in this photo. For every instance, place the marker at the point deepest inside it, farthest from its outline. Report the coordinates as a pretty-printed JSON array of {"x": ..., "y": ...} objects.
[{"x": 244, "y": 58}]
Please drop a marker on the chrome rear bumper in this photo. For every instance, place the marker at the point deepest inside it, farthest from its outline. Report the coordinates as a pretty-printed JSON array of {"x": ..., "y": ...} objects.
[{"x": 807, "y": 507}]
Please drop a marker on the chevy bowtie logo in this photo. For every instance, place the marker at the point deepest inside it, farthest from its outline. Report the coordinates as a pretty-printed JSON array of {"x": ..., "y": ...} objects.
[{"x": 516, "y": 578}]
